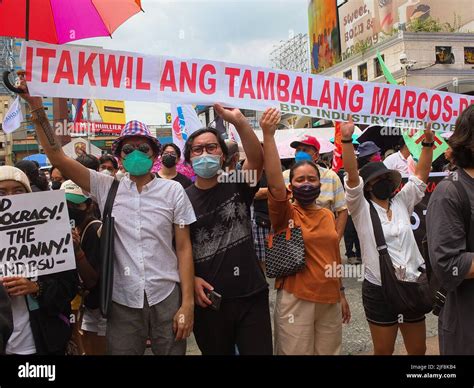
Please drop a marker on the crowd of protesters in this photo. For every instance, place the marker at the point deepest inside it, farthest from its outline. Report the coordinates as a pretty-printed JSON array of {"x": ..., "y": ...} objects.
[{"x": 189, "y": 252}]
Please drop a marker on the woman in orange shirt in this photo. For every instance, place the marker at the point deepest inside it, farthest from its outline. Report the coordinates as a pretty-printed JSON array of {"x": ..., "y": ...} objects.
[{"x": 308, "y": 317}]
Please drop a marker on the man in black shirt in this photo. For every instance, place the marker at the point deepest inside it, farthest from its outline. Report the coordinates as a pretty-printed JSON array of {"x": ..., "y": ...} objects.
[
  {"x": 170, "y": 156},
  {"x": 223, "y": 249},
  {"x": 450, "y": 233}
]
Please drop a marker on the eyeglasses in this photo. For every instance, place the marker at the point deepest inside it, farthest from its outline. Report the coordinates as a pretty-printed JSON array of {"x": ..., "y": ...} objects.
[
  {"x": 173, "y": 154},
  {"x": 210, "y": 148},
  {"x": 129, "y": 148}
]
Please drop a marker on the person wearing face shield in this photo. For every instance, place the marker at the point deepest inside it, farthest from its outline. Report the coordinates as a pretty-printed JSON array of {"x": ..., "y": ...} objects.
[
  {"x": 375, "y": 185},
  {"x": 314, "y": 296},
  {"x": 153, "y": 282},
  {"x": 230, "y": 288}
]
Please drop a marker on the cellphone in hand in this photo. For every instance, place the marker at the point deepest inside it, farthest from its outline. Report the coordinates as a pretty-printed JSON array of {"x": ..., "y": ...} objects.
[{"x": 215, "y": 298}]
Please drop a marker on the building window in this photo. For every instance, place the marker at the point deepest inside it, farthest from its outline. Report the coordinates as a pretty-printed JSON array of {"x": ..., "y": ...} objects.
[
  {"x": 469, "y": 55},
  {"x": 444, "y": 56},
  {"x": 347, "y": 74},
  {"x": 363, "y": 76},
  {"x": 377, "y": 67}
]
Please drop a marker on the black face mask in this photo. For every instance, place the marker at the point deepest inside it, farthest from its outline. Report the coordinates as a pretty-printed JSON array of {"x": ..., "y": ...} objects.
[
  {"x": 383, "y": 189},
  {"x": 56, "y": 185},
  {"x": 169, "y": 161},
  {"x": 77, "y": 215},
  {"x": 306, "y": 194}
]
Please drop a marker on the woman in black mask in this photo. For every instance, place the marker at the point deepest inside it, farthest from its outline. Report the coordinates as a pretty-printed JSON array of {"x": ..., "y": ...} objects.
[
  {"x": 86, "y": 238},
  {"x": 57, "y": 178},
  {"x": 170, "y": 156},
  {"x": 310, "y": 305},
  {"x": 375, "y": 185}
]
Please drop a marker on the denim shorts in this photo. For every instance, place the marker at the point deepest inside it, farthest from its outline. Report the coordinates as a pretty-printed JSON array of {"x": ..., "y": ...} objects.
[{"x": 379, "y": 312}]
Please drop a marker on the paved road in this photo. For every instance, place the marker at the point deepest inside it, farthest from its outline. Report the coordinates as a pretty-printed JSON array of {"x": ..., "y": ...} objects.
[{"x": 355, "y": 335}]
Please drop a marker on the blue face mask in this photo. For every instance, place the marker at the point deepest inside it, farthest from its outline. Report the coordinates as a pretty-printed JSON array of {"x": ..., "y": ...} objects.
[
  {"x": 206, "y": 166},
  {"x": 302, "y": 156}
]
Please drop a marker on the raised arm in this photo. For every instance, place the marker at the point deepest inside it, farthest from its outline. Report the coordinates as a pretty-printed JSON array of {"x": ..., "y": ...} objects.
[
  {"x": 250, "y": 143},
  {"x": 423, "y": 168},
  {"x": 50, "y": 143},
  {"x": 348, "y": 154},
  {"x": 275, "y": 180}
]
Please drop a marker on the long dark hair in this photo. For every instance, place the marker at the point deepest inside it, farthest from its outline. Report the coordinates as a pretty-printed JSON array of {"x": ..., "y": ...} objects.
[
  {"x": 35, "y": 176},
  {"x": 462, "y": 140}
]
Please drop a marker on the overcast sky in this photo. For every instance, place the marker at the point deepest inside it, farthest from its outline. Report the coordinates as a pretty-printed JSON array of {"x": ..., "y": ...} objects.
[{"x": 239, "y": 31}]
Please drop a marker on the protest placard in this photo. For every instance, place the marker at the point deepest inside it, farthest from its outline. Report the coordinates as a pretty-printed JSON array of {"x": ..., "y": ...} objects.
[{"x": 35, "y": 235}]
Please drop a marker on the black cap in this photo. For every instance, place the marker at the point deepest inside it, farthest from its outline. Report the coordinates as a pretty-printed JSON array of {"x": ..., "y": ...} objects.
[{"x": 373, "y": 170}]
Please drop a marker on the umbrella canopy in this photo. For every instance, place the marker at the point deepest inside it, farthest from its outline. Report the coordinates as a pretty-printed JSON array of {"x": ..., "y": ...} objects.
[
  {"x": 377, "y": 135},
  {"x": 41, "y": 159},
  {"x": 284, "y": 137},
  {"x": 62, "y": 21}
]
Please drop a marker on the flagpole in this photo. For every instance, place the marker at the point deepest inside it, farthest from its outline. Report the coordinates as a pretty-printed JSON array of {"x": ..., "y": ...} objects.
[{"x": 88, "y": 105}]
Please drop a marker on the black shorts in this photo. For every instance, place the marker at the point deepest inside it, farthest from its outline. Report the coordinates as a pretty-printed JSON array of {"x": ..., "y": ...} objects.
[{"x": 378, "y": 311}]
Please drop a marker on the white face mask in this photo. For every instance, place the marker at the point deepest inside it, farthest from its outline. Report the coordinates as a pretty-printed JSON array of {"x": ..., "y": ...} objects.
[
  {"x": 106, "y": 172},
  {"x": 119, "y": 175}
]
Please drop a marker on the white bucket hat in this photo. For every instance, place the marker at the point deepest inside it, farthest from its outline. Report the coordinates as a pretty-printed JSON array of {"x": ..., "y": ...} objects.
[{"x": 9, "y": 173}]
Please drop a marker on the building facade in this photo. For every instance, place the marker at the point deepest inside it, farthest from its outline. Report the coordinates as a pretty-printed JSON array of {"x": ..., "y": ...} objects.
[{"x": 432, "y": 60}]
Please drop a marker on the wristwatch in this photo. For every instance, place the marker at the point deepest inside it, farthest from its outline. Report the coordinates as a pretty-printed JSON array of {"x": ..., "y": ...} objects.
[
  {"x": 346, "y": 141},
  {"x": 426, "y": 144}
]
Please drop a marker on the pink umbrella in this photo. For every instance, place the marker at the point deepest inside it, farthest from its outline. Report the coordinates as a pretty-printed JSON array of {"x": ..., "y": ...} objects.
[{"x": 63, "y": 21}]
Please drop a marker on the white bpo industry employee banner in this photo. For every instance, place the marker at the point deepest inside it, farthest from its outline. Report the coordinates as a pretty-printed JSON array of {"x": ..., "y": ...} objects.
[{"x": 77, "y": 72}]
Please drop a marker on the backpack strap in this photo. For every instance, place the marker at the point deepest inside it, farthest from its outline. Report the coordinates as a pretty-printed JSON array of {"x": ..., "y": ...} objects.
[
  {"x": 109, "y": 203},
  {"x": 378, "y": 231}
]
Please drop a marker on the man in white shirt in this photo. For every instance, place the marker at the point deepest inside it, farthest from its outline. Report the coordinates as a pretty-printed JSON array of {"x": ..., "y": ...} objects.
[
  {"x": 401, "y": 161},
  {"x": 153, "y": 289}
]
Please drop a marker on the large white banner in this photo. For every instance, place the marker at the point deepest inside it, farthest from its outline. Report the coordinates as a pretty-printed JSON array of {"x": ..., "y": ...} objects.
[
  {"x": 35, "y": 235},
  {"x": 78, "y": 72}
]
